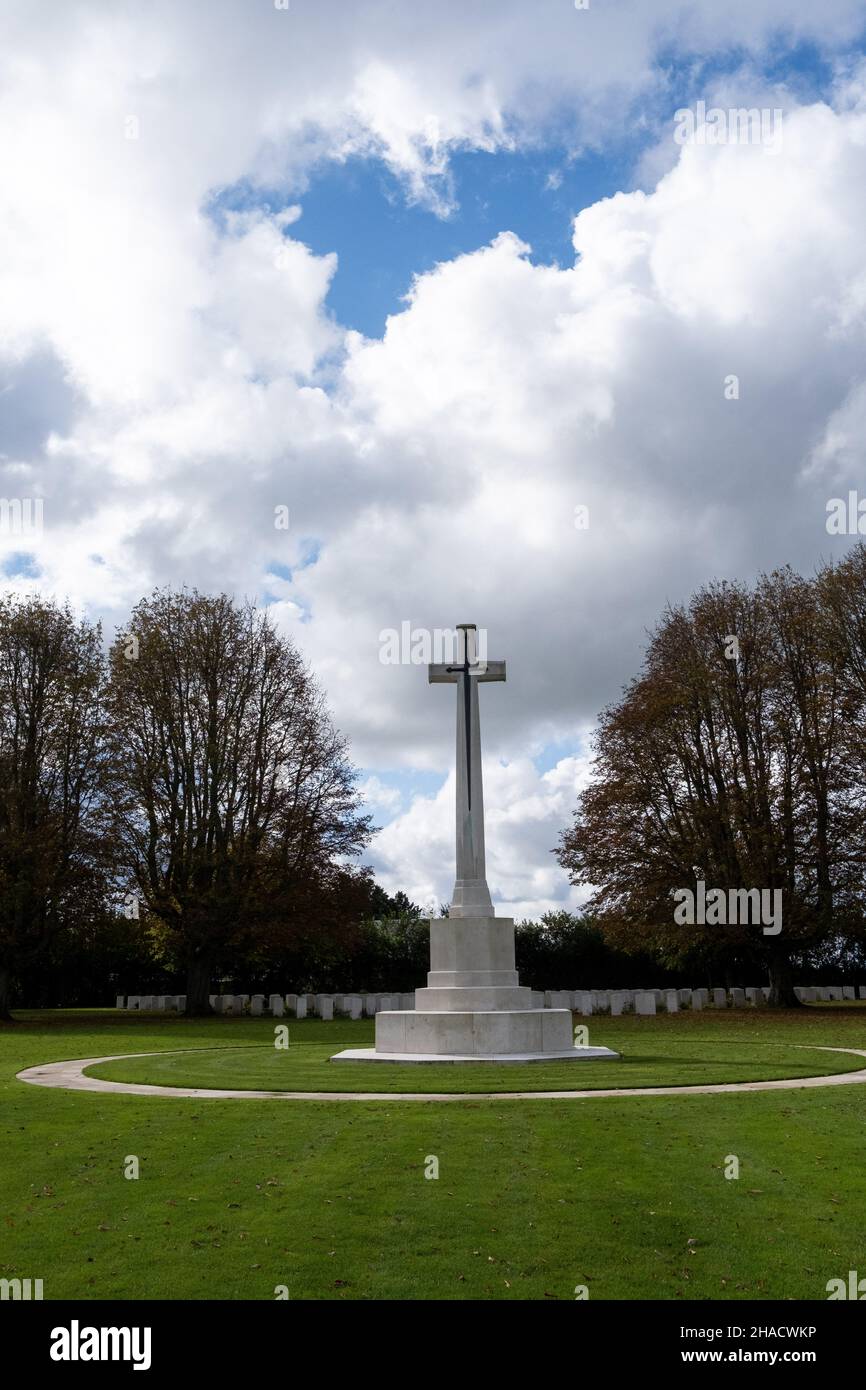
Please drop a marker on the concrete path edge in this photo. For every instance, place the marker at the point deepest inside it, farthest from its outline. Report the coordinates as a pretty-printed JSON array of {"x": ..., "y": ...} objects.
[{"x": 70, "y": 1076}]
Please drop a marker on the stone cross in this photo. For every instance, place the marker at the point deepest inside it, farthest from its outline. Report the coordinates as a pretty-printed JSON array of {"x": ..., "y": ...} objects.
[{"x": 471, "y": 894}]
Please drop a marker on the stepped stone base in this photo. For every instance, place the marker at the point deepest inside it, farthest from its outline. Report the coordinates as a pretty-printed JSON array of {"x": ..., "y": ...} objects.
[
  {"x": 473, "y": 1008},
  {"x": 500, "y": 1035}
]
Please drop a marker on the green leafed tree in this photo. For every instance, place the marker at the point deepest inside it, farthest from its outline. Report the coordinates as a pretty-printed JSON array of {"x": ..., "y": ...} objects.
[{"x": 240, "y": 809}]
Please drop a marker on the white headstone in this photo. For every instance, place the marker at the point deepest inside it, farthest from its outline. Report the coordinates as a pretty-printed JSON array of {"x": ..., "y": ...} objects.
[
  {"x": 644, "y": 1002},
  {"x": 292, "y": 1003},
  {"x": 848, "y": 992},
  {"x": 325, "y": 1006},
  {"x": 277, "y": 1005},
  {"x": 301, "y": 1006},
  {"x": 672, "y": 1002},
  {"x": 738, "y": 998},
  {"x": 700, "y": 998},
  {"x": 557, "y": 999},
  {"x": 120, "y": 1003},
  {"x": 835, "y": 991},
  {"x": 257, "y": 1005},
  {"x": 685, "y": 997},
  {"x": 584, "y": 1003},
  {"x": 370, "y": 1005},
  {"x": 354, "y": 1005},
  {"x": 755, "y": 995},
  {"x": 720, "y": 999}
]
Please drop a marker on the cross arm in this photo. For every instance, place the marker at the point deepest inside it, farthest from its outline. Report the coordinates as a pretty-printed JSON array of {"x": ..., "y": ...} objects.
[
  {"x": 441, "y": 673},
  {"x": 492, "y": 671}
]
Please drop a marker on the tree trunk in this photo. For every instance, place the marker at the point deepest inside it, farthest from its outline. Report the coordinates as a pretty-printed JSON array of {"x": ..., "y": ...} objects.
[
  {"x": 5, "y": 1015},
  {"x": 198, "y": 988},
  {"x": 781, "y": 974}
]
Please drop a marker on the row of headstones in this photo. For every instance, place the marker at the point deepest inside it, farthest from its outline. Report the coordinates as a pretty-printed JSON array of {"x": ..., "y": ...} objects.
[
  {"x": 586, "y": 1002},
  {"x": 649, "y": 1001},
  {"x": 325, "y": 1006}
]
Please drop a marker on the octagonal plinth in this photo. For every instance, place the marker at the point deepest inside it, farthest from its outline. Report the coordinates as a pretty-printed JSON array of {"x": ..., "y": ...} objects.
[
  {"x": 474, "y": 1032},
  {"x": 501, "y": 1035}
]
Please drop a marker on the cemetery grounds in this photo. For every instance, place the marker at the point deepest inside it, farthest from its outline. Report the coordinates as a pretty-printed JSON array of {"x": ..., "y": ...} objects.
[{"x": 751, "y": 1195}]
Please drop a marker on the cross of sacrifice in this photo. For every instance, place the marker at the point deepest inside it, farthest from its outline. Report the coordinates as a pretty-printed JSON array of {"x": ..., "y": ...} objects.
[{"x": 471, "y": 895}]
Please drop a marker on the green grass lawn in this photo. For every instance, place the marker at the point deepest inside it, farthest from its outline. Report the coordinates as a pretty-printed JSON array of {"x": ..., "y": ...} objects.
[
  {"x": 653, "y": 1052},
  {"x": 627, "y": 1196}
]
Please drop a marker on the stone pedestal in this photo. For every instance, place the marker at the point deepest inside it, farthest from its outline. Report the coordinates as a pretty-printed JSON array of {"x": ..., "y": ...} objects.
[{"x": 473, "y": 1008}]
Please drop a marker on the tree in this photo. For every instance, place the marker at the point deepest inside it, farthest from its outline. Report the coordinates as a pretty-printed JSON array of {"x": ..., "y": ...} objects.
[
  {"x": 240, "y": 806},
  {"x": 566, "y": 949},
  {"x": 383, "y": 906},
  {"x": 55, "y": 840},
  {"x": 728, "y": 761}
]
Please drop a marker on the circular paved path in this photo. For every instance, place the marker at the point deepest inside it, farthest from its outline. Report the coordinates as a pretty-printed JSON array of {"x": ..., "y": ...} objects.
[{"x": 69, "y": 1076}]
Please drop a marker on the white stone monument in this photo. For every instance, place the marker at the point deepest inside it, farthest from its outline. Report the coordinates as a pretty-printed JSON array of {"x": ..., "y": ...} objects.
[{"x": 473, "y": 1008}]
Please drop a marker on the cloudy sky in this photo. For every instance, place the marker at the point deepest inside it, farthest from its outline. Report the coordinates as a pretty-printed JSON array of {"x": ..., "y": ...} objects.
[{"x": 432, "y": 277}]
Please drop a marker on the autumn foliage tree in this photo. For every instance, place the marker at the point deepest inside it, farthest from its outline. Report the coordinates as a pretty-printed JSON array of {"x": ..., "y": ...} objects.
[
  {"x": 239, "y": 809},
  {"x": 736, "y": 757},
  {"x": 55, "y": 771}
]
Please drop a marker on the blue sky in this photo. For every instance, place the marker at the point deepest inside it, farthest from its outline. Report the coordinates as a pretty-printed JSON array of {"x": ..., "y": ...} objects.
[
  {"x": 21, "y": 563},
  {"x": 358, "y": 208}
]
